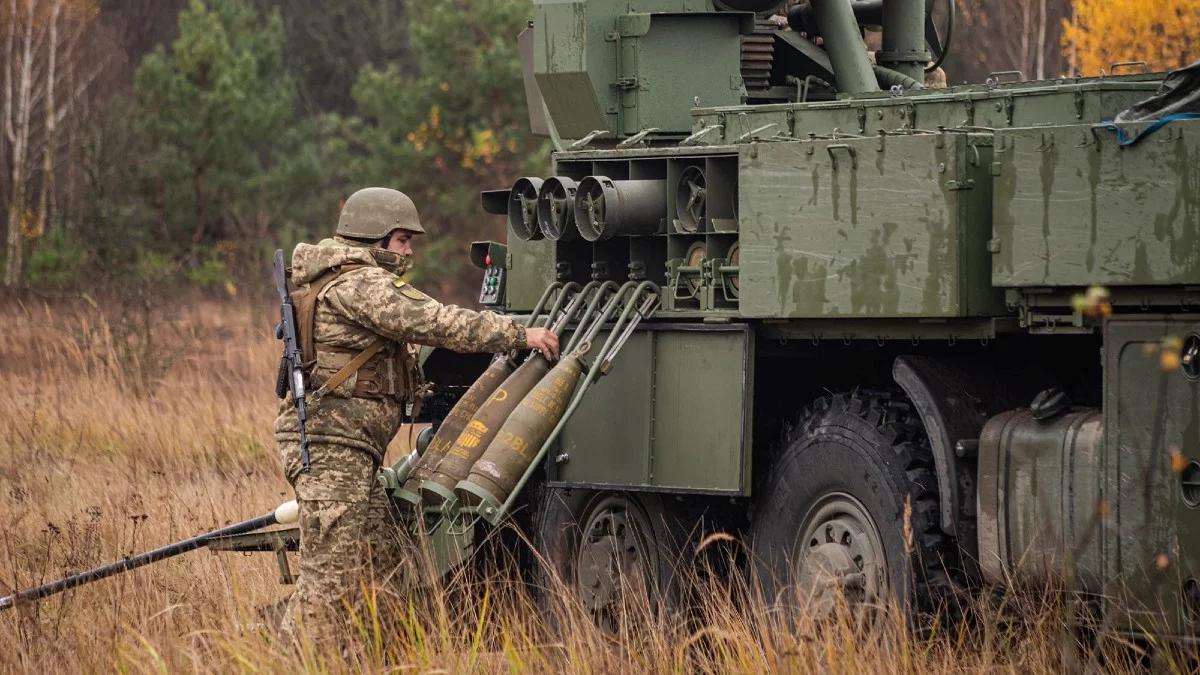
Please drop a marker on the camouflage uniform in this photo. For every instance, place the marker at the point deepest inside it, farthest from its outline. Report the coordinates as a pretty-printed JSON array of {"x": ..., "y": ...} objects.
[{"x": 342, "y": 505}]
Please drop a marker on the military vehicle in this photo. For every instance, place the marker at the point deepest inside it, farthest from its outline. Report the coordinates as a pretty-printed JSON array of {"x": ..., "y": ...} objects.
[
  {"x": 877, "y": 353},
  {"x": 908, "y": 339}
]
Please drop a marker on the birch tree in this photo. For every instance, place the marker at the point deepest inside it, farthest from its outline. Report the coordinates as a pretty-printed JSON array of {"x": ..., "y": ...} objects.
[
  {"x": 42, "y": 85},
  {"x": 1020, "y": 35}
]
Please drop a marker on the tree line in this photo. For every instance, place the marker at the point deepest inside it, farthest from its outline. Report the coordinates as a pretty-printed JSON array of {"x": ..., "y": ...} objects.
[
  {"x": 161, "y": 142},
  {"x": 167, "y": 142}
]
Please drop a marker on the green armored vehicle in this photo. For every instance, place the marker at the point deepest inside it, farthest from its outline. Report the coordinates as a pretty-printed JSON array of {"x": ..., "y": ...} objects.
[
  {"x": 906, "y": 340},
  {"x": 877, "y": 353}
]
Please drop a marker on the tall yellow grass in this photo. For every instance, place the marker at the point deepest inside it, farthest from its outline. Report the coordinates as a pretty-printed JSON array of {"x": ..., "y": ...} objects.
[{"x": 122, "y": 429}]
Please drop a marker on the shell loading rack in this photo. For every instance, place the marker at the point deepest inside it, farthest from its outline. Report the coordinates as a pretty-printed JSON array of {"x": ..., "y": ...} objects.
[{"x": 498, "y": 434}]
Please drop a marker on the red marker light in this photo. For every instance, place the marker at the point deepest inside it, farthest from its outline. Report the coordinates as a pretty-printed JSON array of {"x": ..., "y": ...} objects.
[{"x": 487, "y": 260}]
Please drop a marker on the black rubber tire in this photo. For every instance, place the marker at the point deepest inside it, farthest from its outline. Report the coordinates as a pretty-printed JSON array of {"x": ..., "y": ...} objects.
[
  {"x": 560, "y": 516},
  {"x": 868, "y": 444}
]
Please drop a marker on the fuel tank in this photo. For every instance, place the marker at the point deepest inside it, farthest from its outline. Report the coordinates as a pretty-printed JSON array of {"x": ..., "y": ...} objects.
[
  {"x": 497, "y": 471},
  {"x": 480, "y": 431},
  {"x": 1040, "y": 501},
  {"x": 458, "y": 418}
]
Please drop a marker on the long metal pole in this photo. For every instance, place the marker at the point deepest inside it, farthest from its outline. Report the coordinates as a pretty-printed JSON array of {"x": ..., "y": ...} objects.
[
  {"x": 844, "y": 44},
  {"x": 589, "y": 313},
  {"x": 283, "y": 514}
]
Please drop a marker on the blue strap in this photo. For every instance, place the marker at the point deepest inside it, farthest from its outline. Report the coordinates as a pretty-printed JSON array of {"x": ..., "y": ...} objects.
[{"x": 1124, "y": 140}]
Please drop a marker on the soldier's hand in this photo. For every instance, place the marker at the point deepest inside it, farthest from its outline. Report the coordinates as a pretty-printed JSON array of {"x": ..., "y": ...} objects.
[{"x": 542, "y": 340}]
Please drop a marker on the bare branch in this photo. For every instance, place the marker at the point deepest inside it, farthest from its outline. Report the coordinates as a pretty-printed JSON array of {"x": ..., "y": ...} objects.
[{"x": 84, "y": 85}]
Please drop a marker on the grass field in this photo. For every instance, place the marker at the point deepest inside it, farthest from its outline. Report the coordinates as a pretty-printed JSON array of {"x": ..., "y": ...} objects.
[{"x": 121, "y": 430}]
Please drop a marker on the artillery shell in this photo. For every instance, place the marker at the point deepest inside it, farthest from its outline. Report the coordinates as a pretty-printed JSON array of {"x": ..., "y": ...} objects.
[
  {"x": 497, "y": 471},
  {"x": 460, "y": 415},
  {"x": 482, "y": 428}
]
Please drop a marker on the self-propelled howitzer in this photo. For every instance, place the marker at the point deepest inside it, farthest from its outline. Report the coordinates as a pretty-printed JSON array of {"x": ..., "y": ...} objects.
[{"x": 912, "y": 338}]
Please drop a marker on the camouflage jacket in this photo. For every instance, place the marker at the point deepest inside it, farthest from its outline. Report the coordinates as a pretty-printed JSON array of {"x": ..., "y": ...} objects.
[{"x": 361, "y": 305}]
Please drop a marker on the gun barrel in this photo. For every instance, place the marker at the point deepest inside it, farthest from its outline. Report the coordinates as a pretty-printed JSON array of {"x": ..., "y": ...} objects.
[{"x": 283, "y": 514}]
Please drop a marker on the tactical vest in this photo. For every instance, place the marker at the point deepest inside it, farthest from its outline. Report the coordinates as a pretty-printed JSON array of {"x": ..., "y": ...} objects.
[{"x": 384, "y": 370}]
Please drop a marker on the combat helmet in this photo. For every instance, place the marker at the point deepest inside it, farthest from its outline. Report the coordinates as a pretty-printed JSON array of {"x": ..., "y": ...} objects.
[{"x": 372, "y": 213}]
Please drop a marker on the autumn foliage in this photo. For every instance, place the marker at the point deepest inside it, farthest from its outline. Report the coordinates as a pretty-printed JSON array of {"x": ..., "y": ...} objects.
[{"x": 1105, "y": 32}]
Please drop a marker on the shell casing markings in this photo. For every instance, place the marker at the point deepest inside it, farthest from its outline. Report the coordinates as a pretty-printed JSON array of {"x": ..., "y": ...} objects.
[
  {"x": 547, "y": 403},
  {"x": 482, "y": 428},
  {"x": 497, "y": 471},
  {"x": 458, "y": 418},
  {"x": 469, "y": 438}
]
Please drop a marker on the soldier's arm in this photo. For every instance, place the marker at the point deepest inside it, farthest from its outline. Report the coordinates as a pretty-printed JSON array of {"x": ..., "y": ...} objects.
[{"x": 376, "y": 299}]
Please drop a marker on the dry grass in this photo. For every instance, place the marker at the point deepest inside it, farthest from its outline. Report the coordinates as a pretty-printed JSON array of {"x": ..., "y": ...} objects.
[{"x": 120, "y": 432}]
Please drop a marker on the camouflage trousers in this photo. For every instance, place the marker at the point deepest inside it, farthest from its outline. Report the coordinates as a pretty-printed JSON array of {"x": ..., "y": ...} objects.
[{"x": 348, "y": 540}]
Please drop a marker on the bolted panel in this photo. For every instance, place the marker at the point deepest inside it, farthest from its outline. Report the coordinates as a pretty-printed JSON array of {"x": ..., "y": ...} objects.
[
  {"x": 620, "y": 67},
  {"x": 878, "y": 227},
  {"x": 1152, "y": 436},
  {"x": 650, "y": 423}
]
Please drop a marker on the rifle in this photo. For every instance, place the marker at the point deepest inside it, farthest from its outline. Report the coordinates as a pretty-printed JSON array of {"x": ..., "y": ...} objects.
[{"x": 291, "y": 367}]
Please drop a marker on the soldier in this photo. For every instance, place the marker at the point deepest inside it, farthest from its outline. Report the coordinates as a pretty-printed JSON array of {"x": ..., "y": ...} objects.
[{"x": 356, "y": 318}]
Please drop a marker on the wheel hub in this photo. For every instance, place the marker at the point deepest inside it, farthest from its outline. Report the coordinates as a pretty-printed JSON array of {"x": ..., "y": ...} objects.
[
  {"x": 613, "y": 554},
  {"x": 841, "y": 552}
]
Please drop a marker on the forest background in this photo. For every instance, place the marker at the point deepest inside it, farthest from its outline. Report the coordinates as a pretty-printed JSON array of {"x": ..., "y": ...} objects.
[{"x": 171, "y": 144}]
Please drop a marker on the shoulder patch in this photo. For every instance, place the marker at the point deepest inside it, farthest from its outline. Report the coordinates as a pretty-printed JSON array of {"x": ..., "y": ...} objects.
[{"x": 409, "y": 292}]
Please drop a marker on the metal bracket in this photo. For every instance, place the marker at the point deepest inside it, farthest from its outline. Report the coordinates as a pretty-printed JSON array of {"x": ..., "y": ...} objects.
[
  {"x": 695, "y": 137},
  {"x": 849, "y": 150},
  {"x": 753, "y": 133},
  {"x": 636, "y": 138},
  {"x": 677, "y": 276},
  {"x": 285, "y": 571},
  {"x": 591, "y": 136},
  {"x": 996, "y": 78}
]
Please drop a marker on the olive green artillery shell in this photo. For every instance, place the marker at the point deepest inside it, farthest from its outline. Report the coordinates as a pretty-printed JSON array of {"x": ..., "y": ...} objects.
[
  {"x": 460, "y": 415},
  {"x": 518, "y": 441},
  {"x": 482, "y": 428}
]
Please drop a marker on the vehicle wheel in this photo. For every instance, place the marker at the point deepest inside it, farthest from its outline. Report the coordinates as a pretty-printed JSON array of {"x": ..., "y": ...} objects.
[
  {"x": 602, "y": 543},
  {"x": 851, "y": 505}
]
